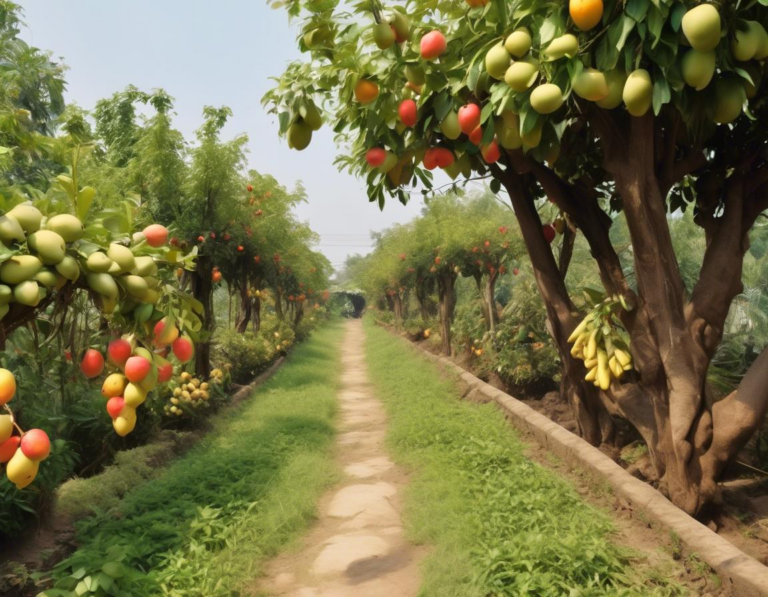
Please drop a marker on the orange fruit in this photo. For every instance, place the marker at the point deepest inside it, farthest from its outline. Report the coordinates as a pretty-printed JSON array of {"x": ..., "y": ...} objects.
[
  {"x": 477, "y": 3},
  {"x": 366, "y": 91},
  {"x": 586, "y": 14}
]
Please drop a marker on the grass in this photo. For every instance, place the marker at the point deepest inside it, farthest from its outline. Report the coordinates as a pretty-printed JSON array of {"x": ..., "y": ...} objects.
[
  {"x": 208, "y": 524},
  {"x": 500, "y": 524}
]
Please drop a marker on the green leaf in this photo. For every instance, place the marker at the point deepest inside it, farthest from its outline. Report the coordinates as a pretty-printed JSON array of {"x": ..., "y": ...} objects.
[
  {"x": 84, "y": 200},
  {"x": 637, "y": 9},
  {"x": 676, "y": 17},
  {"x": 495, "y": 186},
  {"x": 4, "y": 150},
  {"x": 661, "y": 94}
]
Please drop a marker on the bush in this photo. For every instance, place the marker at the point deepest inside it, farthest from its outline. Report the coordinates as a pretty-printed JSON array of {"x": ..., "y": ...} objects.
[{"x": 248, "y": 353}]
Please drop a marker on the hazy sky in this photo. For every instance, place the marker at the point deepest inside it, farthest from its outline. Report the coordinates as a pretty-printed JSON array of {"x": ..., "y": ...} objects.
[{"x": 210, "y": 53}]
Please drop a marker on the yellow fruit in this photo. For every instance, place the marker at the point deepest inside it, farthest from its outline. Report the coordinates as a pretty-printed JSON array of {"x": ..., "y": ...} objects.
[
  {"x": 67, "y": 227},
  {"x": 175, "y": 401},
  {"x": 114, "y": 385},
  {"x": 565, "y": 45},
  {"x": 603, "y": 373},
  {"x": 27, "y": 293},
  {"x": 591, "y": 374},
  {"x": 701, "y": 26},
  {"x": 145, "y": 266},
  {"x": 745, "y": 44},
  {"x": 533, "y": 137},
  {"x": 591, "y": 85},
  {"x": 21, "y": 471},
  {"x": 134, "y": 395},
  {"x": 638, "y": 92},
  {"x": 204, "y": 386},
  {"x": 47, "y": 278},
  {"x": 48, "y": 246},
  {"x": 497, "y": 61},
  {"x": 546, "y": 98},
  {"x": 68, "y": 268},
  {"x": 6, "y": 428},
  {"x": 98, "y": 262},
  {"x": 177, "y": 392},
  {"x": 366, "y": 91},
  {"x": 186, "y": 395},
  {"x": 10, "y": 230},
  {"x": 518, "y": 42},
  {"x": 28, "y": 217},
  {"x": 615, "y": 79},
  {"x": 730, "y": 100},
  {"x": 19, "y": 268},
  {"x": 126, "y": 422},
  {"x": 522, "y": 74},
  {"x": 586, "y": 14},
  {"x": 6, "y": 294},
  {"x": 450, "y": 126},
  {"x": 104, "y": 284},
  {"x": 698, "y": 68},
  {"x": 509, "y": 136},
  {"x": 136, "y": 286},
  {"x": 186, "y": 376},
  {"x": 122, "y": 256},
  {"x": 7, "y": 386}
]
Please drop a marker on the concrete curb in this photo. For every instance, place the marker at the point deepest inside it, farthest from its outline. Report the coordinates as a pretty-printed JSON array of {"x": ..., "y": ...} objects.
[
  {"x": 245, "y": 391},
  {"x": 742, "y": 574}
]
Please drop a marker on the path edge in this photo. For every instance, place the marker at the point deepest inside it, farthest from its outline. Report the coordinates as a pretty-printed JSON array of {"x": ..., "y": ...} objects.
[{"x": 746, "y": 577}]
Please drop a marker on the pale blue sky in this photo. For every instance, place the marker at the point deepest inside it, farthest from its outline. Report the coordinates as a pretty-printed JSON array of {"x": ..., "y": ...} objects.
[{"x": 210, "y": 53}]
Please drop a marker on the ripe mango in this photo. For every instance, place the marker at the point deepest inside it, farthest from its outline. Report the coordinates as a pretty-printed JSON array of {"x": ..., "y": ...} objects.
[
  {"x": 69, "y": 268},
  {"x": 136, "y": 286},
  {"x": 10, "y": 230},
  {"x": 730, "y": 100},
  {"x": 299, "y": 135},
  {"x": 638, "y": 92},
  {"x": 701, "y": 27},
  {"x": 698, "y": 68},
  {"x": 565, "y": 45},
  {"x": 67, "y": 227},
  {"x": 47, "y": 278},
  {"x": 123, "y": 425},
  {"x": 98, "y": 262},
  {"x": 509, "y": 136},
  {"x": 546, "y": 98},
  {"x": 19, "y": 268},
  {"x": 533, "y": 137},
  {"x": 27, "y": 293},
  {"x": 615, "y": 79},
  {"x": 591, "y": 85},
  {"x": 522, "y": 74},
  {"x": 745, "y": 44},
  {"x": 6, "y": 294},
  {"x": 134, "y": 395},
  {"x": 114, "y": 385},
  {"x": 21, "y": 471},
  {"x": 48, "y": 246},
  {"x": 122, "y": 256},
  {"x": 104, "y": 284},
  {"x": 152, "y": 297},
  {"x": 145, "y": 266},
  {"x": 518, "y": 42},
  {"x": 6, "y": 428},
  {"x": 497, "y": 61},
  {"x": 28, "y": 216},
  {"x": 450, "y": 126}
]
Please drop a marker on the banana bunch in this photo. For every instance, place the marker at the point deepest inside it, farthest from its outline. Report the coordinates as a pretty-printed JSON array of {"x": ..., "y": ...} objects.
[{"x": 599, "y": 341}]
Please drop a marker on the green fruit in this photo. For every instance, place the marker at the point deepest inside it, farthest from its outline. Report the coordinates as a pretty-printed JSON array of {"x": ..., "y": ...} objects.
[
  {"x": 518, "y": 42},
  {"x": 143, "y": 312},
  {"x": 483, "y": 85},
  {"x": 450, "y": 126},
  {"x": 312, "y": 117},
  {"x": 509, "y": 136},
  {"x": 533, "y": 137},
  {"x": 47, "y": 278},
  {"x": 150, "y": 381},
  {"x": 68, "y": 268},
  {"x": 67, "y": 227},
  {"x": 27, "y": 293},
  {"x": 762, "y": 49},
  {"x": 638, "y": 92},
  {"x": 145, "y": 266},
  {"x": 122, "y": 256},
  {"x": 104, "y": 284},
  {"x": 135, "y": 286},
  {"x": 701, "y": 26},
  {"x": 317, "y": 36},
  {"x": 730, "y": 100},
  {"x": 48, "y": 245},
  {"x": 522, "y": 74},
  {"x": 401, "y": 25},
  {"x": 98, "y": 262},
  {"x": 383, "y": 36},
  {"x": 299, "y": 135},
  {"x": 497, "y": 61},
  {"x": 389, "y": 162},
  {"x": 6, "y": 294},
  {"x": 615, "y": 79},
  {"x": 546, "y": 98},
  {"x": 565, "y": 45},
  {"x": 745, "y": 44},
  {"x": 591, "y": 85},
  {"x": 115, "y": 269},
  {"x": 453, "y": 170},
  {"x": 28, "y": 216},
  {"x": 698, "y": 68},
  {"x": 466, "y": 165},
  {"x": 10, "y": 230},
  {"x": 415, "y": 74},
  {"x": 4, "y": 311},
  {"x": 19, "y": 268}
]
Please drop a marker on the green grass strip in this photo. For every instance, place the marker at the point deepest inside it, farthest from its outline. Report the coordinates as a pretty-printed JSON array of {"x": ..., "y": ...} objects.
[
  {"x": 500, "y": 524},
  {"x": 208, "y": 524}
]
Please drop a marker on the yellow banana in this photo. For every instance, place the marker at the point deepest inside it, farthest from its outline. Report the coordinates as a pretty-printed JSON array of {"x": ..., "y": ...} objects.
[
  {"x": 592, "y": 345},
  {"x": 591, "y": 374},
  {"x": 615, "y": 367},
  {"x": 590, "y": 363},
  {"x": 628, "y": 367},
  {"x": 623, "y": 358},
  {"x": 578, "y": 331},
  {"x": 603, "y": 373}
]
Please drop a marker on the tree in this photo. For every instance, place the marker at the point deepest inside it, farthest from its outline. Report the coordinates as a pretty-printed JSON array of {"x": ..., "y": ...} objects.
[{"x": 643, "y": 109}]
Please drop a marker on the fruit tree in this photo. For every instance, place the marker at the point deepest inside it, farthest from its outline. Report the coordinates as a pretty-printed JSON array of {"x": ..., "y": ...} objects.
[{"x": 643, "y": 108}]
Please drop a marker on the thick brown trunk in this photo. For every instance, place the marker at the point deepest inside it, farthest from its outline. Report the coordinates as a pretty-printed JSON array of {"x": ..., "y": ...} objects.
[
  {"x": 427, "y": 307},
  {"x": 447, "y": 299},
  {"x": 397, "y": 308},
  {"x": 478, "y": 277},
  {"x": 244, "y": 312},
  {"x": 202, "y": 290}
]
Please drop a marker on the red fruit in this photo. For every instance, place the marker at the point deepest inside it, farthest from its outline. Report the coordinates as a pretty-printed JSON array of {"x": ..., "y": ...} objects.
[
  {"x": 216, "y": 277},
  {"x": 257, "y": 259},
  {"x": 227, "y": 237},
  {"x": 8, "y": 448},
  {"x": 469, "y": 118},
  {"x": 433, "y": 45},
  {"x": 115, "y": 406},
  {"x": 164, "y": 372},
  {"x": 164, "y": 337},
  {"x": 549, "y": 232},
  {"x": 212, "y": 235},
  {"x": 92, "y": 364},
  {"x": 137, "y": 368},
  {"x": 156, "y": 235},
  {"x": 437, "y": 260},
  {"x": 491, "y": 153},
  {"x": 430, "y": 159},
  {"x": 250, "y": 188},
  {"x": 183, "y": 349},
  {"x": 36, "y": 445},
  {"x": 487, "y": 243},
  {"x": 443, "y": 157},
  {"x": 175, "y": 241},
  {"x": 201, "y": 239},
  {"x": 240, "y": 248},
  {"x": 119, "y": 351},
  {"x": 515, "y": 271},
  {"x": 375, "y": 157},
  {"x": 502, "y": 229},
  {"x": 68, "y": 355},
  {"x": 476, "y": 136},
  {"x": 402, "y": 256},
  {"x": 408, "y": 112}
]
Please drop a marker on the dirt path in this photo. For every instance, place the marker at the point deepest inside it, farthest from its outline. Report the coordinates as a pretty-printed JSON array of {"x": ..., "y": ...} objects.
[{"x": 356, "y": 548}]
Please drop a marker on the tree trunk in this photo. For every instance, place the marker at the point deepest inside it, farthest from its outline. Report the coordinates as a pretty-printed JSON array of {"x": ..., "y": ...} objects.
[
  {"x": 279, "y": 304},
  {"x": 397, "y": 308},
  {"x": 202, "y": 290},
  {"x": 244, "y": 312},
  {"x": 447, "y": 300},
  {"x": 484, "y": 306},
  {"x": 426, "y": 304}
]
